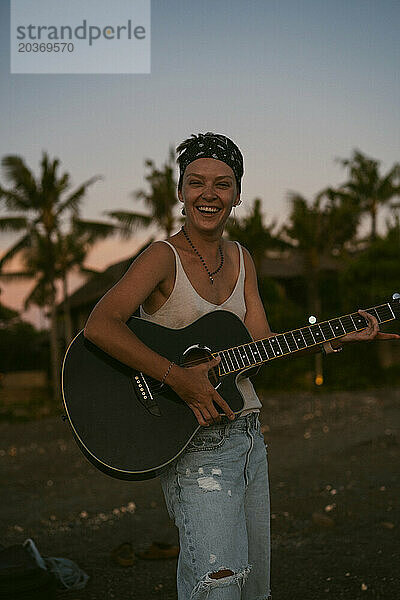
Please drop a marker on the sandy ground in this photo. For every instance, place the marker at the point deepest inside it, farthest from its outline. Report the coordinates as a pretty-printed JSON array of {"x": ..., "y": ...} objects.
[{"x": 333, "y": 462}]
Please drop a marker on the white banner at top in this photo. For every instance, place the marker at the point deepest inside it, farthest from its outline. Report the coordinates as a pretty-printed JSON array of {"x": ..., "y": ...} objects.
[{"x": 80, "y": 36}]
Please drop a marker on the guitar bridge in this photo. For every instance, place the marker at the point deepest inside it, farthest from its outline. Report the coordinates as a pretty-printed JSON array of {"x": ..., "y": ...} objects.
[{"x": 144, "y": 394}]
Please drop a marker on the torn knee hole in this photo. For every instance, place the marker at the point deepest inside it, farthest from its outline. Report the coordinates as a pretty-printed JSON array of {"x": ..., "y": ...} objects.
[
  {"x": 223, "y": 577},
  {"x": 221, "y": 574}
]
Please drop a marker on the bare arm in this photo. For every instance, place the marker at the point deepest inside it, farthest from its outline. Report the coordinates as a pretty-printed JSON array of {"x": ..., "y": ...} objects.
[{"x": 106, "y": 327}]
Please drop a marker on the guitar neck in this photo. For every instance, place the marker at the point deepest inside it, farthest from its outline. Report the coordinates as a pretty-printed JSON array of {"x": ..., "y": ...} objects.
[{"x": 259, "y": 352}]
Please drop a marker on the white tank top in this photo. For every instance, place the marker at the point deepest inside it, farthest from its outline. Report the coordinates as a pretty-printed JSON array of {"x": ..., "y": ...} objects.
[{"x": 184, "y": 305}]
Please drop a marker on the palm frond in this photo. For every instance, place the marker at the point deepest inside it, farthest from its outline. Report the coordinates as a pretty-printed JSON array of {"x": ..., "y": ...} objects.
[
  {"x": 73, "y": 200},
  {"x": 94, "y": 230},
  {"x": 17, "y": 275},
  {"x": 14, "y": 200},
  {"x": 387, "y": 188},
  {"x": 129, "y": 221},
  {"x": 20, "y": 245},
  {"x": 13, "y": 223},
  {"x": 161, "y": 198},
  {"x": 39, "y": 295},
  {"x": 17, "y": 173}
]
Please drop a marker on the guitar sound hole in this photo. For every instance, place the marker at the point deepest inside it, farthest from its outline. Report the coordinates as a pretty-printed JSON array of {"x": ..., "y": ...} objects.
[{"x": 195, "y": 356}]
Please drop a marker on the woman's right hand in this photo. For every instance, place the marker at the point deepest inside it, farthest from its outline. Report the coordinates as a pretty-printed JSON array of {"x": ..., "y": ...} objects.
[{"x": 194, "y": 387}]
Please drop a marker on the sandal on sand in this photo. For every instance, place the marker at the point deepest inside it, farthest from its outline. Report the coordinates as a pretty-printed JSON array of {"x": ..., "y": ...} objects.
[
  {"x": 123, "y": 555},
  {"x": 158, "y": 551}
]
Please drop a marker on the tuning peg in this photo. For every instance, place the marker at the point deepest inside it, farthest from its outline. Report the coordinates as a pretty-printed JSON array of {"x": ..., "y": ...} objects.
[
  {"x": 312, "y": 320},
  {"x": 396, "y": 296}
]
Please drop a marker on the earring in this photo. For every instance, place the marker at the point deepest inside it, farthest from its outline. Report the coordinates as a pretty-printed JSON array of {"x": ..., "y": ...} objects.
[
  {"x": 183, "y": 211},
  {"x": 234, "y": 210}
]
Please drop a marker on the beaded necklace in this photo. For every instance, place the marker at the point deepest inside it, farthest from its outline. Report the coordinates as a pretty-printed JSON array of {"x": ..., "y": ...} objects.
[{"x": 203, "y": 262}]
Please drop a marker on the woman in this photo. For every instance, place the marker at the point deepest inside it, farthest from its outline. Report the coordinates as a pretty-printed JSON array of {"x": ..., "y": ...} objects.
[{"x": 217, "y": 490}]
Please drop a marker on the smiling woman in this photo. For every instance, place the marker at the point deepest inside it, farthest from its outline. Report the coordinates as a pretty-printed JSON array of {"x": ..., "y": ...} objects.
[{"x": 216, "y": 489}]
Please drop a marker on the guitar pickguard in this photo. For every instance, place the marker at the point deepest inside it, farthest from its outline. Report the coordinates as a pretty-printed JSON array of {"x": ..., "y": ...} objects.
[{"x": 198, "y": 353}]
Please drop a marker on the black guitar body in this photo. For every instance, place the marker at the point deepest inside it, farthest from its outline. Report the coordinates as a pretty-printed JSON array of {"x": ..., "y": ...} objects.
[
  {"x": 131, "y": 427},
  {"x": 121, "y": 426}
]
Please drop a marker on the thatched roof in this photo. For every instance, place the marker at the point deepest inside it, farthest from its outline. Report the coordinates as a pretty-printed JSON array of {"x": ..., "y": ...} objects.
[{"x": 93, "y": 289}]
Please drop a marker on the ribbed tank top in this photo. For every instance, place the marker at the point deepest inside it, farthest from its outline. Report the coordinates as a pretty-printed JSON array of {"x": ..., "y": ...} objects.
[{"x": 184, "y": 305}]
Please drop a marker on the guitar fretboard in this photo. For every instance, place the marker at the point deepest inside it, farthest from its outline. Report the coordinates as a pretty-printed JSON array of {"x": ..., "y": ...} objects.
[{"x": 283, "y": 344}]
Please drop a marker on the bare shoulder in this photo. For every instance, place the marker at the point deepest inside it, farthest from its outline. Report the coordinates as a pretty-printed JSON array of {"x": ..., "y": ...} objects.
[
  {"x": 153, "y": 266},
  {"x": 158, "y": 257}
]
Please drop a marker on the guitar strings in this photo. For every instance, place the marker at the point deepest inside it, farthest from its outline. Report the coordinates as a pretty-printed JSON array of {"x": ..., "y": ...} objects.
[{"x": 158, "y": 385}]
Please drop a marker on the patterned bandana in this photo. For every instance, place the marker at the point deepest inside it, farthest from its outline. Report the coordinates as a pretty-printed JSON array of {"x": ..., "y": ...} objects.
[{"x": 210, "y": 145}]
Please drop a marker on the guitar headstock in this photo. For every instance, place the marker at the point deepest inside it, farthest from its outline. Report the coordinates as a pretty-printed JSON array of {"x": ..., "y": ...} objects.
[{"x": 395, "y": 304}]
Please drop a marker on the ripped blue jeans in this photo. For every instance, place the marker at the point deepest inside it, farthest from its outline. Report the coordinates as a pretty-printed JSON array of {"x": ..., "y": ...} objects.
[{"x": 218, "y": 494}]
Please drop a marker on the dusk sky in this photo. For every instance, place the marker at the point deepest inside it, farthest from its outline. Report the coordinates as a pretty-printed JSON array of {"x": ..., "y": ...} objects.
[{"x": 294, "y": 83}]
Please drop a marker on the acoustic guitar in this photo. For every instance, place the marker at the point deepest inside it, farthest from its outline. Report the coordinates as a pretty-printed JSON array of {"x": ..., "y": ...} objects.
[{"x": 132, "y": 427}]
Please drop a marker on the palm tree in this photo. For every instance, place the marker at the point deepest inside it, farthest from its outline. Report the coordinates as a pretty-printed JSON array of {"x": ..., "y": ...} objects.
[
  {"x": 161, "y": 200},
  {"x": 38, "y": 259},
  {"x": 70, "y": 251},
  {"x": 72, "y": 248},
  {"x": 366, "y": 187},
  {"x": 41, "y": 204},
  {"x": 251, "y": 232},
  {"x": 376, "y": 269},
  {"x": 318, "y": 230}
]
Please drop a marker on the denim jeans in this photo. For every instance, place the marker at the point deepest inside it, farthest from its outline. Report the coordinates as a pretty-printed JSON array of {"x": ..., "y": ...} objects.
[{"x": 218, "y": 494}]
